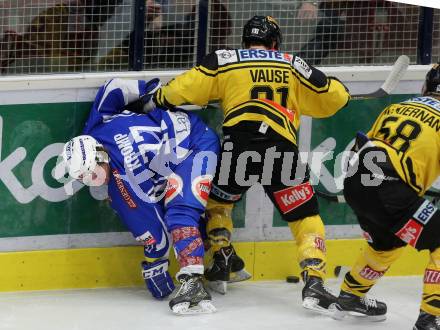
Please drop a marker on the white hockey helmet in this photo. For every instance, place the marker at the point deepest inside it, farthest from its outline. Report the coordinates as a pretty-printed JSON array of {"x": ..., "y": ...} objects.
[{"x": 81, "y": 155}]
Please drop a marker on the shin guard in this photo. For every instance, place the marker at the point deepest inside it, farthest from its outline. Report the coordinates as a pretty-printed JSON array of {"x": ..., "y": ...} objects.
[
  {"x": 431, "y": 285},
  {"x": 309, "y": 234},
  {"x": 189, "y": 248},
  {"x": 370, "y": 266},
  {"x": 219, "y": 227}
]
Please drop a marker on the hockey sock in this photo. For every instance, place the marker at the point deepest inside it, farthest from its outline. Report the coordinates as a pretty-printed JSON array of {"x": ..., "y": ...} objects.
[
  {"x": 309, "y": 234},
  {"x": 370, "y": 266},
  {"x": 188, "y": 246},
  {"x": 219, "y": 226},
  {"x": 431, "y": 285}
]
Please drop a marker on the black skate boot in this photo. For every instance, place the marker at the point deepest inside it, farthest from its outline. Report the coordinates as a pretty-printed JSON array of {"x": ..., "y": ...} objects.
[
  {"x": 368, "y": 308},
  {"x": 427, "y": 321},
  {"x": 192, "y": 297},
  {"x": 238, "y": 273},
  {"x": 318, "y": 298},
  {"x": 226, "y": 267}
]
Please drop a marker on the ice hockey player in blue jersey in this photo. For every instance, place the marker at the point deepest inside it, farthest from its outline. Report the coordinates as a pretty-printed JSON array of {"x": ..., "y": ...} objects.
[{"x": 158, "y": 168}]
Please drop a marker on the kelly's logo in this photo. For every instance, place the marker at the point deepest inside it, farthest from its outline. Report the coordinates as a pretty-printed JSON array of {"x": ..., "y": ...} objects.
[{"x": 292, "y": 197}]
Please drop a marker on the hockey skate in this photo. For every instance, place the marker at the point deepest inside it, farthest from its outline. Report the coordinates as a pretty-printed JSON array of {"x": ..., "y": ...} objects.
[
  {"x": 227, "y": 267},
  {"x": 318, "y": 298},
  {"x": 427, "y": 322},
  {"x": 367, "y": 308},
  {"x": 192, "y": 297},
  {"x": 238, "y": 273}
]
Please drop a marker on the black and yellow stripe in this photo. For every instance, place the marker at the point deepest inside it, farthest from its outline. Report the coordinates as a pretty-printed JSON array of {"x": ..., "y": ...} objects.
[
  {"x": 354, "y": 286},
  {"x": 313, "y": 263},
  {"x": 432, "y": 300},
  {"x": 261, "y": 111}
]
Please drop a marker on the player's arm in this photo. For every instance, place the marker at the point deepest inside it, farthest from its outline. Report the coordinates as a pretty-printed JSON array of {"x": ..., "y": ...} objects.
[
  {"x": 110, "y": 101},
  {"x": 317, "y": 95},
  {"x": 116, "y": 94},
  {"x": 196, "y": 86}
]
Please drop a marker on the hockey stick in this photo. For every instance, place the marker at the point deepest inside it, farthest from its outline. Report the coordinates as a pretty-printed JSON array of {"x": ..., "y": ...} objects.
[
  {"x": 397, "y": 71},
  {"x": 335, "y": 198}
]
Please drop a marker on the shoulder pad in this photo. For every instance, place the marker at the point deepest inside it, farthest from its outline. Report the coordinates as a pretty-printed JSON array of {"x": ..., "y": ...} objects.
[{"x": 210, "y": 62}]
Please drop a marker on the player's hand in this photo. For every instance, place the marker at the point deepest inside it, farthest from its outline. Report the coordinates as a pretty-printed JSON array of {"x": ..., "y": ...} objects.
[
  {"x": 149, "y": 105},
  {"x": 145, "y": 103},
  {"x": 157, "y": 278},
  {"x": 147, "y": 99}
]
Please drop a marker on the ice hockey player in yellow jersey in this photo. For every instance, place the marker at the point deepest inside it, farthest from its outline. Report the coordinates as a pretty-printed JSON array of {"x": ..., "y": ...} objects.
[
  {"x": 390, "y": 171},
  {"x": 263, "y": 92}
]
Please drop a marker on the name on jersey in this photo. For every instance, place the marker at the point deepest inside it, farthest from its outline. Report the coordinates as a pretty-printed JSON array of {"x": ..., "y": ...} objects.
[
  {"x": 269, "y": 76},
  {"x": 424, "y": 116},
  {"x": 262, "y": 54},
  {"x": 126, "y": 148}
]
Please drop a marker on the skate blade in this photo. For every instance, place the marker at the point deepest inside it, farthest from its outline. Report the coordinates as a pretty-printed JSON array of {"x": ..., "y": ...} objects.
[
  {"x": 334, "y": 310},
  {"x": 363, "y": 317},
  {"x": 218, "y": 286},
  {"x": 241, "y": 275},
  {"x": 203, "y": 307}
]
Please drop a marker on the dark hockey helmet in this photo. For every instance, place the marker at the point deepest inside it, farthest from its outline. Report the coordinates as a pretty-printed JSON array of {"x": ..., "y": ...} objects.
[
  {"x": 432, "y": 81},
  {"x": 262, "y": 30}
]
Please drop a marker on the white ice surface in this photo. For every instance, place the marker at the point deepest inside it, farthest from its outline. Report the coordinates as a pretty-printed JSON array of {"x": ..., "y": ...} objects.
[{"x": 247, "y": 306}]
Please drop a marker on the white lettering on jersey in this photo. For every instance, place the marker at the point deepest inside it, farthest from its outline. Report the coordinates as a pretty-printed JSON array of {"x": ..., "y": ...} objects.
[
  {"x": 130, "y": 158},
  {"x": 426, "y": 100},
  {"x": 425, "y": 212},
  {"x": 246, "y": 55},
  {"x": 182, "y": 129}
]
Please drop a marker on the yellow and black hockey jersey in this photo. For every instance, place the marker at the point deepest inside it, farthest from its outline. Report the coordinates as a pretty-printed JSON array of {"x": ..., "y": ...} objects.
[
  {"x": 258, "y": 85},
  {"x": 409, "y": 131}
]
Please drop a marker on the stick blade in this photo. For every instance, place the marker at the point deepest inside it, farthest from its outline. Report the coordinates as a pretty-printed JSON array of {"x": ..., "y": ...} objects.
[{"x": 398, "y": 70}]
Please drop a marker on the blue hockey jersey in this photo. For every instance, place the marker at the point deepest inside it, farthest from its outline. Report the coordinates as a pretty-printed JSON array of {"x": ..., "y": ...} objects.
[{"x": 145, "y": 150}]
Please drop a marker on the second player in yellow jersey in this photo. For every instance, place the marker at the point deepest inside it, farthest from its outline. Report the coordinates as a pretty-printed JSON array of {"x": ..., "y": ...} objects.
[
  {"x": 391, "y": 170},
  {"x": 409, "y": 131}
]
